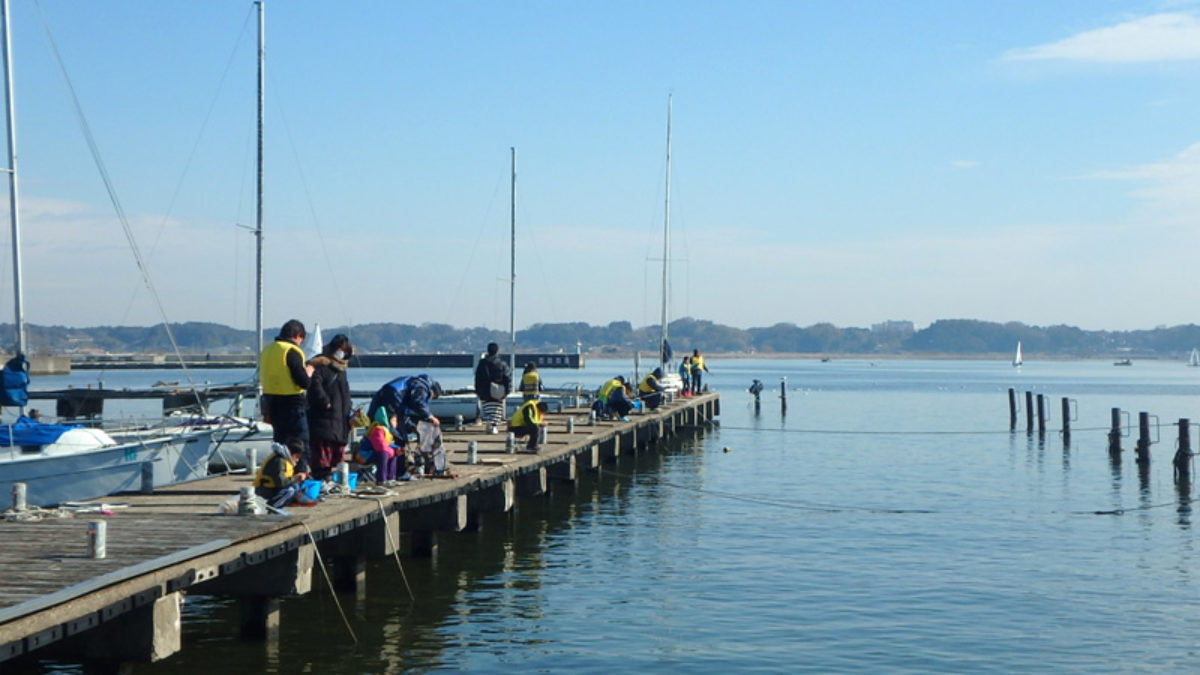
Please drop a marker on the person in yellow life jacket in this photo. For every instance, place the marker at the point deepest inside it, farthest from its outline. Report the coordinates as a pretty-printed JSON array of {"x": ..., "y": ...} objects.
[
  {"x": 650, "y": 390},
  {"x": 613, "y": 399},
  {"x": 531, "y": 382},
  {"x": 528, "y": 420},
  {"x": 698, "y": 368},
  {"x": 280, "y": 473},
  {"x": 285, "y": 378}
]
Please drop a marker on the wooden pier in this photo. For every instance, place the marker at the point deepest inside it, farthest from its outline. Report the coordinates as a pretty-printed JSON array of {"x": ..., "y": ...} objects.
[{"x": 57, "y": 601}]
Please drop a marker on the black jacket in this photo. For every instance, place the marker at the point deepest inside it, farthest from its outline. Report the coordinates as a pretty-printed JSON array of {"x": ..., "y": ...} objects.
[
  {"x": 329, "y": 401},
  {"x": 491, "y": 369}
]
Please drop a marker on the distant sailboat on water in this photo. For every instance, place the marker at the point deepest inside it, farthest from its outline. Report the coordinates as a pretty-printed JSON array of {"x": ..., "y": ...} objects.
[
  {"x": 1017, "y": 360},
  {"x": 1194, "y": 359}
]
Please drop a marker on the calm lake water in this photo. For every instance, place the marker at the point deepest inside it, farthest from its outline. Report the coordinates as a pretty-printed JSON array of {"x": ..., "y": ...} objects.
[{"x": 889, "y": 522}]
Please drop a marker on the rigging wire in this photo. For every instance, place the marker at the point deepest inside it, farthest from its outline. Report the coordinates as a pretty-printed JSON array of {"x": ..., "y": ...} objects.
[
  {"x": 333, "y": 275},
  {"x": 470, "y": 262},
  {"x": 94, "y": 148}
]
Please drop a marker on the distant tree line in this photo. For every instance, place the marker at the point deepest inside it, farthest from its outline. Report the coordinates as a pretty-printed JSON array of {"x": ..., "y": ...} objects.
[{"x": 955, "y": 337}]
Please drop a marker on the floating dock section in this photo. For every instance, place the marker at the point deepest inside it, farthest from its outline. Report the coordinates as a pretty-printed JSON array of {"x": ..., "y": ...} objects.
[{"x": 59, "y": 599}]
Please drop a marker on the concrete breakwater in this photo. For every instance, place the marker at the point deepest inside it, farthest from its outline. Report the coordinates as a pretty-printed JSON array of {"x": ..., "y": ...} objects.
[
  {"x": 365, "y": 360},
  {"x": 56, "y": 599}
]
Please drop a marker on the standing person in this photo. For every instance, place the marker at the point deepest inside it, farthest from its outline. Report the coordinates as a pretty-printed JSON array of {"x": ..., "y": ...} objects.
[
  {"x": 528, "y": 420},
  {"x": 685, "y": 375},
  {"x": 650, "y": 390},
  {"x": 407, "y": 398},
  {"x": 493, "y": 381},
  {"x": 329, "y": 406},
  {"x": 285, "y": 378},
  {"x": 698, "y": 367},
  {"x": 531, "y": 382}
]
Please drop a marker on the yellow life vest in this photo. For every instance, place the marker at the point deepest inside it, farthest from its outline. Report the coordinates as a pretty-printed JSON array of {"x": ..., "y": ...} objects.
[
  {"x": 527, "y": 412},
  {"x": 273, "y": 371},
  {"x": 697, "y": 363},
  {"x": 608, "y": 389},
  {"x": 261, "y": 480},
  {"x": 646, "y": 387},
  {"x": 530, "y": 382}
]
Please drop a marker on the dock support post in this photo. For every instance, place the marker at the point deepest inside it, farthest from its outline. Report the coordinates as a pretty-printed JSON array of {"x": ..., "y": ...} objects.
[
  {"x": 1143, "y": 444},
  {"x": 1066, "y": 419},
  {"x": 1029, "y": 412},
  {"x": 259, "y": 617},
  {"x": 783, "y": 395},
  {"x": 1012, "y": 409},
  {"x": 349, "y": 573},
  {"x": 1183, "y": 455},
  {"x": 148, "y": 634},
  {"x": 1041, "y": 414},
  {"x": 1114, "y": 434}
]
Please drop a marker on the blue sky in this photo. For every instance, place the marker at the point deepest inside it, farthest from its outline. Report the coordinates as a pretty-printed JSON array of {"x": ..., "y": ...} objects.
[{"x": 845, "y": 162}]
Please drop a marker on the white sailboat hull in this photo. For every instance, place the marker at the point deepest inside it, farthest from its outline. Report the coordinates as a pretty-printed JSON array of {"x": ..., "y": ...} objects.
[{"x": 58, "y": 474}]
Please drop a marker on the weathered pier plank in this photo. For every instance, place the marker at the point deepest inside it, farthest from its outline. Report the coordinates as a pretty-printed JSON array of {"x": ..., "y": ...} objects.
[{"x": 125, "y": 607}]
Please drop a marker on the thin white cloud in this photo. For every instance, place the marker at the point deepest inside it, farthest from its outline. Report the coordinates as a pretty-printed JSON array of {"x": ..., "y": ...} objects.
[
  {"x": 1171, "y": 36},
  {"x": 1167, "y": 189}
]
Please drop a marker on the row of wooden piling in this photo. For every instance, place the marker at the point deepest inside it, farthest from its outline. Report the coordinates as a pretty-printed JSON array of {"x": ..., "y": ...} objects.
[{"x": 1119, "y": 422}]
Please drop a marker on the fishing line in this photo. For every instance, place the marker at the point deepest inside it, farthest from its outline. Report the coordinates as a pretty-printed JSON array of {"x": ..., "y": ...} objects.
[
  {"x": 395, "y": 550},
  {"x": 325, "y": 573},
  {"x": 1121, "y": 512}
]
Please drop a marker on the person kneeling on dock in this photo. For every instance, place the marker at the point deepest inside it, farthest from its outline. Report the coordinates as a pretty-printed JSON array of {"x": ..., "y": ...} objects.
[
  {"x": 380, "y": 448},
  {"x": 279, "y": 478},
  {"x": 650, "y": 390},
  {"x": 528, "y": 420},
  {"x": 612, "y": 399}
]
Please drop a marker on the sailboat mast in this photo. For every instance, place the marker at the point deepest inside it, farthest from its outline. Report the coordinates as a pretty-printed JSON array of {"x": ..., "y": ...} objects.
[
  {"x": 662, "y": 346},
  {"x": 10, "y": 117},
  {"x": 258, "y": 216},
  {"x": 512, "y": 284}
]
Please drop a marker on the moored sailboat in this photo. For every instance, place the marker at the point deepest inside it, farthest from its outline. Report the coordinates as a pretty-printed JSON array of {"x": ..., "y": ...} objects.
[{"x": 61, "y": 463}]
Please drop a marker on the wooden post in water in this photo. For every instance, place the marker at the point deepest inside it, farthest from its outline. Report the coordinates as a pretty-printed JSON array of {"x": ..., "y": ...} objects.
[
  {"x": 1029, "y": 412},
  {"x": 1012, "y": 409},
  {"x": 1143, "y": 443},
  {"x": 1114, "y": 434},
  {"x": 783, "y": 395},
  {"x": 1066, "y": 419},
  {"x": 1183, "y": 454},
  {"x": 1041, "y": 412}
]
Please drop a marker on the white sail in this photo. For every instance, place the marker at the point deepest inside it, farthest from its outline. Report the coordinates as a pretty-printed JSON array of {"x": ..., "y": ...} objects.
[
  {"x": 1017, "y": 360},
  {"x": 1194, "y": 359}
]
